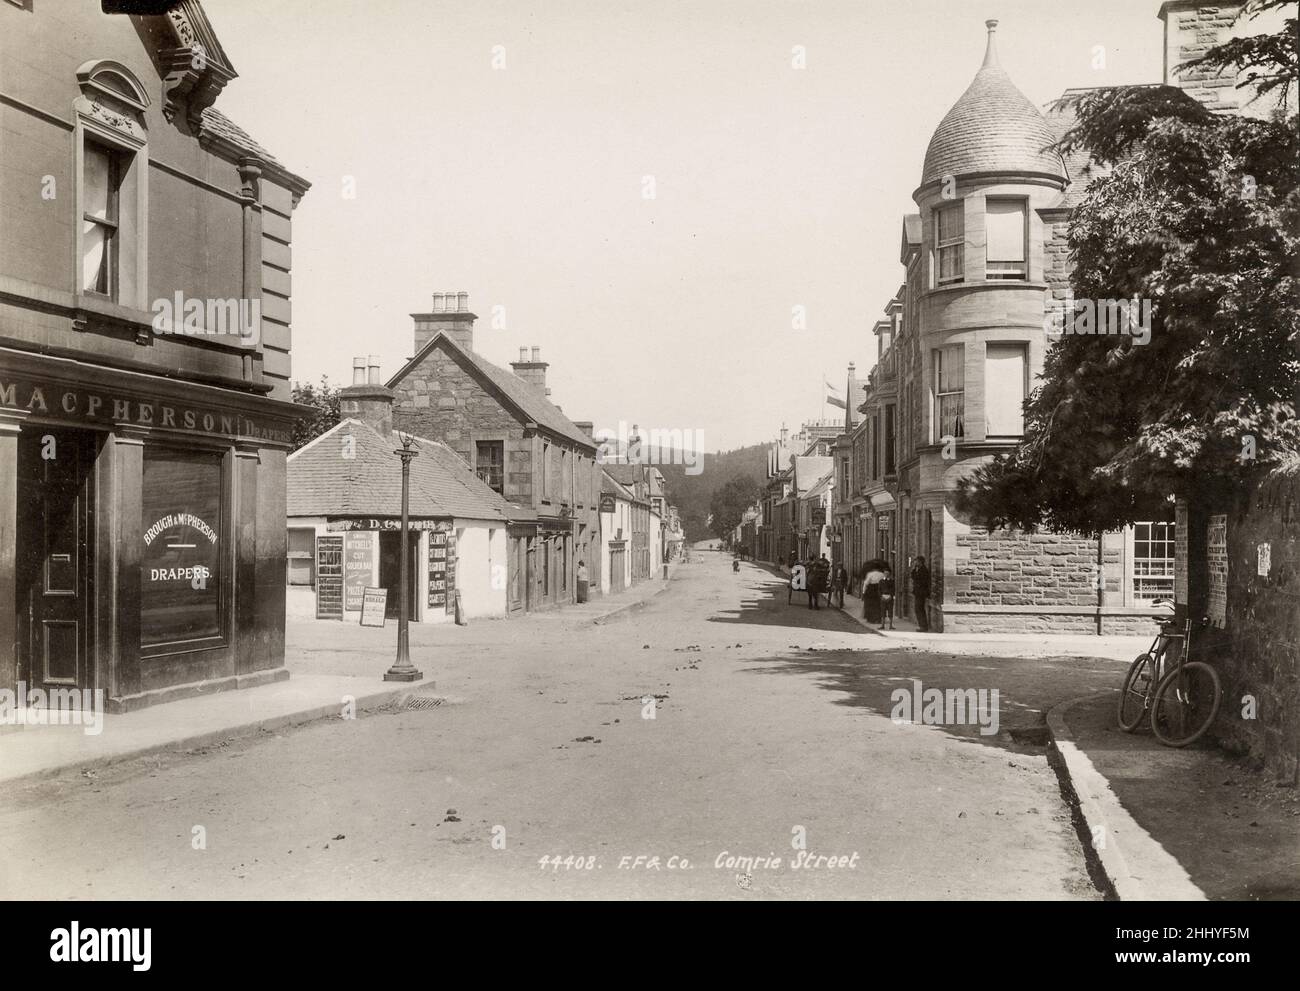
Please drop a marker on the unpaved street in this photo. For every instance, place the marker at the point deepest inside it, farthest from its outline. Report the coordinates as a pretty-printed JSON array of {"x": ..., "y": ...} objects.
[{"x": 771, "y": 723}]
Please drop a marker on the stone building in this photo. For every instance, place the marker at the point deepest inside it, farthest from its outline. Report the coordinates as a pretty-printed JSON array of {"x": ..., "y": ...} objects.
[
  {"x": 958, "y": 351},
  {"x": 344, "y": 511},
  {"x": 144, "y": 361},
  {"x": 503, "y": 424}
]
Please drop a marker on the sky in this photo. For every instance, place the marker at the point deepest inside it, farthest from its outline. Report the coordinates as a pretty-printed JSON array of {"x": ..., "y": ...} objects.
[{"x": 509, "y": 148}]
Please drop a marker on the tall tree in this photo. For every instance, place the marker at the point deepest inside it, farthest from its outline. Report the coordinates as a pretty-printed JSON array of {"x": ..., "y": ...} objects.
[
  {"x": 324, "y": 399},
  {"x": 729, "y": 503},
  {"x": 1201, "y": 215}
]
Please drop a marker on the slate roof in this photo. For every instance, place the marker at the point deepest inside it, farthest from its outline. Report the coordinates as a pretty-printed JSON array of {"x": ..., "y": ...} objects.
[
  {"x": 218, "y": 125},
  {"x": 809, "y": 470},
  {"x": 821, "y": 486},
  {"x": 992, "y": 128},
  {"x": 526, "y": 397},
  {"x": 1079, "y": 165},
  {"x": 321, "y": 482},
  {"x": 611, "y": 486}
]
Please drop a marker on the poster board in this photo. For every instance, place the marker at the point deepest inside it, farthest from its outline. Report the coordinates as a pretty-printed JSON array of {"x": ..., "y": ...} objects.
[
  {"x": 374, "y": 606},
  {"x": 451, "y": 574},
  {"x": 329, "y": 577},
  {"x": 360, "y": 547},
  {"x": 437, "y": 570}
]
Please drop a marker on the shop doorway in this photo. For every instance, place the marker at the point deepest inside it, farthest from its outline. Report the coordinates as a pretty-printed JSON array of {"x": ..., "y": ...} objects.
[
  {"x": 54, "y": 567},
  {"x": 390, "y": 570}
]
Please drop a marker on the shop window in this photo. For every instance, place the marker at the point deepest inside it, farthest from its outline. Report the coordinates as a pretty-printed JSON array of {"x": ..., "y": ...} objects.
[
  {"x": 302, "y": 556},
  {"x": 490, "y": 464},
  {"x": 949, "y": 392},
  {"x": 1006, "y": 233},
  {"x": 950, "y": 243},
  {"x": 181, "y": 594}
]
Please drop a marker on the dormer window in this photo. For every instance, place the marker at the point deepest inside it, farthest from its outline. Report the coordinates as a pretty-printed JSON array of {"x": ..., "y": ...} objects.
[
  {"x": 950, "y": 243},
  {"x": 1005, "y": 229}
]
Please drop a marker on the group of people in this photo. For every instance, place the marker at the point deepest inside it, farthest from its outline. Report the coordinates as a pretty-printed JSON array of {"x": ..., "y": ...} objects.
[{"x": 876, "y": 588}]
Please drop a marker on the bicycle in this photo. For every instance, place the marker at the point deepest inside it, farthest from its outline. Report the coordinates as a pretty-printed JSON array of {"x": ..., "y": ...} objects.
[{"x": 1182, "y": 697}]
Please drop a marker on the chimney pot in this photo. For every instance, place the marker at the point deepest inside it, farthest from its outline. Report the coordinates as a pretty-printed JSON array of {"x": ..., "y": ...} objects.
[
  {"x": 462, "y": 302},
  {"x": 537, "y": 354},
  {"x": 374, "y": 370},
  {"x": 523, "y": 355},
  {"x": 358, "y": 371}
]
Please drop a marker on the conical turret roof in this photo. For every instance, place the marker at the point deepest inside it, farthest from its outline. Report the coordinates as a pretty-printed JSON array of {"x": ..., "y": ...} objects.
[{"x": 992, "y": 128}]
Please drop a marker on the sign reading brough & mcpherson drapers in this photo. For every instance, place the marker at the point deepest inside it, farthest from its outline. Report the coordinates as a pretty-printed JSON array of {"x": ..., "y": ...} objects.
[{"x": 105, "y": 408}]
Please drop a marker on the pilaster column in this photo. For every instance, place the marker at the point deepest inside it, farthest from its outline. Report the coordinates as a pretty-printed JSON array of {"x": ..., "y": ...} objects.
[
  {"x": 244, "y": 584},
  {"x": 124, "y": 523},
  {"x": 10, "y": 425}
]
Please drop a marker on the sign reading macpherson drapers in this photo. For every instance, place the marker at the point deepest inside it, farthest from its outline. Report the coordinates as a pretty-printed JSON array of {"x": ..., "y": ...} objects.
[
  {"x": 180, "y": 553},
  {"x": 89, "y": 406}
]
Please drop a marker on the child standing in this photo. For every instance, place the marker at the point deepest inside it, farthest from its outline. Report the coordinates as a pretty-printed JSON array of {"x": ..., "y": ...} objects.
[{"x": 887, "y": 599}]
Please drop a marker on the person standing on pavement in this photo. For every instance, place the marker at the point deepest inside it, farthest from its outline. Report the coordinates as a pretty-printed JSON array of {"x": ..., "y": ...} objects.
[
  {"x": 840, "y": 583},
  {"x": 583, "y": 580},
  {"x": 887, "y": 599},
  {"x": 871, "y": 592},
  {"x": 921, "y": 592},
  {"x": 818, "y": 581}
]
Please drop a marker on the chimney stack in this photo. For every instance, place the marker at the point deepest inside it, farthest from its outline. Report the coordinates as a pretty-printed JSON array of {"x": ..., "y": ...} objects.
[
  {"x": 532, "y": 371},
  {"x": 450, "y": 316},
  {"x": 366, "y": 399},
  {"x": 1191, "y": 28}
]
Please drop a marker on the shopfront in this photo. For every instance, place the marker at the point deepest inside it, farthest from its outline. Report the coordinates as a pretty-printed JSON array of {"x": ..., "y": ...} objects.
[{"x": 144, "y": 522}]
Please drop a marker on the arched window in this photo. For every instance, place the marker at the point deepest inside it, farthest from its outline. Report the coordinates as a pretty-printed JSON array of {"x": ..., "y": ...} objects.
[{"x": 111, "y": 170}]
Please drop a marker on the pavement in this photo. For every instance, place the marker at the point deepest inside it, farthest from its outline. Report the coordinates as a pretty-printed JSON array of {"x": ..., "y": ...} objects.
[{"x": 705, "y": 720}]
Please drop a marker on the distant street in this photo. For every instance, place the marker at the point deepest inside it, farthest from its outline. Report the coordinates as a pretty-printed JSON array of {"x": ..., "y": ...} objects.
[{"x": 771, "y": 723}]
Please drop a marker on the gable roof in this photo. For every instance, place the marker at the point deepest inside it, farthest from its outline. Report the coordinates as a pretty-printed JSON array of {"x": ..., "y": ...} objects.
[
  {"x": 809, "y": 470},
  {"x": 323, "y": 483},
  {"x": 611, "y": 486},
  {"x": 528, "y": 400}
]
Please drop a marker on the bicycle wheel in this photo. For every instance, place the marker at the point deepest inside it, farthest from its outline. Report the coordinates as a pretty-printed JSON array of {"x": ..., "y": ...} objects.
[
  {"x": 1135, "y": 696},
  {"x": 1186, "y": 702}
]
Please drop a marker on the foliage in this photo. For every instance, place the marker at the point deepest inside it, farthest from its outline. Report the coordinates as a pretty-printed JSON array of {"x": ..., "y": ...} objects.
[
  {"x": 324, "y": 400},
  {"x": 730, "y": 501}
]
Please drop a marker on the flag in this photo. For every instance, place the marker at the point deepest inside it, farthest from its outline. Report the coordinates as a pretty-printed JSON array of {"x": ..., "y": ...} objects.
[{"x": 830, "y": 395}]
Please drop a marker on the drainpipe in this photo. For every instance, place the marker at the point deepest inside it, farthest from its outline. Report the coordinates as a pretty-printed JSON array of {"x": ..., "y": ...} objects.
[{"x": 1101, "y": 580}]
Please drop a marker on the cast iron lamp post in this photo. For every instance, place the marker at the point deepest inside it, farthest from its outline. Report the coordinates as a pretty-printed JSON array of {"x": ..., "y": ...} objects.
[{"x": 403, "y": 669}]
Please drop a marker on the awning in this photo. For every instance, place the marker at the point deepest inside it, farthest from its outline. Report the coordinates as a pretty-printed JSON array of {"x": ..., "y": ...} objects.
[{"x": 882, "y": 500}]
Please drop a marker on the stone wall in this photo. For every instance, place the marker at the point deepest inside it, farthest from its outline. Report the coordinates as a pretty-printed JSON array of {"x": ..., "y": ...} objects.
[
  {"x": 1013, "y": 568},
  {"x": 441, "y": 400}
]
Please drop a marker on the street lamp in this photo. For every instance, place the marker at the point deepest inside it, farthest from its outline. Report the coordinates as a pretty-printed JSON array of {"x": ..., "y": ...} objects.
[{"x": 403, "y": 669}]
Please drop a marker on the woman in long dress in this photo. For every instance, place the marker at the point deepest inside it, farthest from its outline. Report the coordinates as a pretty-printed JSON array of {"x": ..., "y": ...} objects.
[{"x": 871, "y": 592}]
